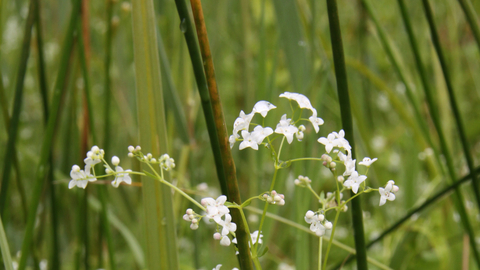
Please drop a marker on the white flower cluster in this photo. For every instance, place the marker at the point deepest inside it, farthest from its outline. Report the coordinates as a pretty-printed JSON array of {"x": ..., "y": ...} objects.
[
  {"x": 80, "y": 178},
  {"x": 318, "y": 224},
  {"x": 215, "y": 209},
  {"x": 274, "y": 198},
  {"x": 219, "y": 265},
  {"x": 302, "y": 181},
  {"x": 164, "y": 161},
  {"x": 286, "y": 126}
]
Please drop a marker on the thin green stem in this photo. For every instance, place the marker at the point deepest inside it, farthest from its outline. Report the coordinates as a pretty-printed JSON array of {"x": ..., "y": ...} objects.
[
  {"x": 331, "y": 238},
  {"x": 313, "y": 191},
  {"x": 320, "y": 245}
]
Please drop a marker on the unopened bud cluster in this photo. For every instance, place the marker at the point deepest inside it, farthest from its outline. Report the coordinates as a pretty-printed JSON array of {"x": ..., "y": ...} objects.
[
  {"x": 164, "y": 161},
  {"x": 302, "y": 181},
  {"x": 274, "y": 198},
  {"x": 192, "y": 217},
  {"x": 318, "y": 224},
  {"x": 328, "y": 162}
]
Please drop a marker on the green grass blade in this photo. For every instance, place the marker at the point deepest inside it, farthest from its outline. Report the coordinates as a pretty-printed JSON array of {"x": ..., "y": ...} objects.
[
  {"x": 172, "y": 100},
  {"x": 453, "y": 102},
  {"x": 49, "y": 134},
  {"x": 472, "y": 19},
  {"x": 347, "y": 123},
  {"x": 123, "y": 229},
  {"x": 233, "y": 193},
  {"x": 157, "y": 199},
  {"x": 17, "y": 106},
  {"x": 197, "y": 63},
  {"x": 295, "y": 44},
  {"x": 458, "y": 198},
  {"x": 7, "y": 258}
]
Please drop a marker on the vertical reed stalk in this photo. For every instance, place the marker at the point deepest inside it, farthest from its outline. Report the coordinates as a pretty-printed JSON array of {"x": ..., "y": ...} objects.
[
  {"x": 458, "y": 198},
  {"x": 160, "y": 222},
  {"x": 472, "y": 19},
  {"x": 347, "y": 123},
  {"x": 7, "y": 258},
  {"x": 228, "y": 164},
  {"x": 49, "y": 134},
  {"x": 17, "y": 106}
]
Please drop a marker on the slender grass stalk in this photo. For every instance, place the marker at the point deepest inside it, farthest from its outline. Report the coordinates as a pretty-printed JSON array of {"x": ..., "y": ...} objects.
[
  {"x": 42, "y": 78},
  {"x": 17, "y": 106},
  {"x": 49, "y": 134},
  {"x": 160, "y": 226},
  {"x": 172, "y": 100},
  {"x": 458, "y": 198},
  {"x": 453, "y": 102},
  {"x": 7, "y": 258},
  {"x": 402, "y": 75},
  {"x": 228, "y": 164},
  {"x": 432, "y": 200},
  {"x": 105, "y": 226},
  {"x": 347, "y": 123},
  {"x": 472, "y": 19}
]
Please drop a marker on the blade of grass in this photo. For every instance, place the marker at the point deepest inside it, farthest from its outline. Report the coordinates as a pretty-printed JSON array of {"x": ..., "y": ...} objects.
[
  {"x": 458, "y": 198},
  {"x": 453, "y": 102},
  {"x": 7, "y": 258},
  {"x": 294, "y": 42},
  {"x": 228, "y": 164},
  {"x": 472, "y": 19},
  {"x": 347, "y": 124},
  {"x": 49, "y": 134},
  {"x": 157, "y": 199},
  {"x": 172, "y": 100},
  {"x": 403, "y": 77},
  {"x": 17, "y": 106},
  {"x": 42, "y": 78}
]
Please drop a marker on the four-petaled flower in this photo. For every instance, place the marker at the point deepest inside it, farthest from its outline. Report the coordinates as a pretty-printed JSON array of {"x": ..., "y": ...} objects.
[
  {"x": 316, "y": 121},
  {"x": 387, "y": 193},
  {"x": 284, "y": 127},
  {"x": 248, "y": 141},
  {"x": 121, "y": 176},
  {"x": 354, "y": 181},
  {"x": 80, "y": 178},
  {"x": 216, "y": 208}
]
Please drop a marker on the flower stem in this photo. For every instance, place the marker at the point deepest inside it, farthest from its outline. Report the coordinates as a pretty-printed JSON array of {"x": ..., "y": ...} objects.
[
  {"x": 331, "y": 238},
  {"x": 320, "y": 253}
]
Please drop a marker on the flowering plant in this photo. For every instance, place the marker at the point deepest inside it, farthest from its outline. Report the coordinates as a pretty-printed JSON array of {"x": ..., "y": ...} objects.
[{"x": 337, "y": 152}]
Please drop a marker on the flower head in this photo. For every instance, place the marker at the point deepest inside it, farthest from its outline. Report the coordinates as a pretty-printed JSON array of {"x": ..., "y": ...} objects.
[
  {"x": 354, "y": 181},
  {"x": 302, "y": 100},
  {"x": 367, "y": 161},
  {"x": 242, "y": 122},
  {"x": 94, "y": 156},
  {"x": 80, "y": 178},
  {"x": 216, "y": 208},
  {"x": 248, "y": 141},
  {"x": 316, "y": 121},
  {"x": 387, "y": 193},
  {"x": 121, "y": 176},
  {"x": 284, "y": 127},
  {"x": 166, "y": 162}
]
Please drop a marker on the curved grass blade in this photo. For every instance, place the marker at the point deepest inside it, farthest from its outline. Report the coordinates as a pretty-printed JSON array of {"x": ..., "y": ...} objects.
[
  {"x": 160, "y": 226},
  {"x": 347, "y": 124},
  {"x": 458, "y": 198},
  {"x": 228, "y": 164},
  {"x": 49, "y": 134},
  {"x": 17, "y": 106}
]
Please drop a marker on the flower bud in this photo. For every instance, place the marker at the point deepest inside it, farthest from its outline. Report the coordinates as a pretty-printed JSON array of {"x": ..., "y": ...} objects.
[
  {"x": 333, "y": 165},
  {"x": 189, "y": 211},
  {"x": 153, "y": 160},
  {"x": 138, "y": 148},
  {"x": 328, "y": 225},
  {"x": 130, "y": 155},
  {"x": 395, "y": 188},
  {"x": 115, "y": 161},
  {"x": 131, "y": 148},
  {"x": 217, "y": 236},
  {"x": 321, "y": 217},
  {"x": 186, "y": 217},
  {"x": 273, "y": 193},
  {"x": 75, "y": 168},
  {"x": 340, "y": 179},
  {"x": 149, "y": 156},
  {"x": 194, "y": 226},
  {"x": 281, "y": 202},
  {"x": 95, "y": 149},
  {"x": 309, "y": 214},
  {"x": 277, "y": 198}
]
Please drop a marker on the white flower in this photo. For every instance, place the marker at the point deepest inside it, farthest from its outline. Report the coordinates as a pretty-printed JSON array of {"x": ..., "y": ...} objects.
[
  {"x": 315, "y": 221},
  {"x": 284, "y": 127},
  {"x": 94, "y": 156},
  {"x": 228, "y": 225},
  {"x": 115, "y": 161},
  {"x": 254, "y": 237},
  {"x": 354, "y": 181},
  {"x": 217, "y": 267},
  {"x": 341, "y": 141},
  {"x": 121, "y": 176},
  {"x": 242, "y": 122},
  {"x": 262, "y": 107},
  {"x": 166, "y": 162},
  {"x": 216, "y": 208},
  {"x": 80, "y": 178},
  {"x": 387, "y": 192},
  {"x": 367, "y": 161},
  {"x": 329, "y": 142},
  {"x": 349, "y": 165},
  {"x": 303, "y": 101},
  {"x": 260, "y": 133},
  {"x": 248, "y": 141},
  {"x": 316, "y": 121}
]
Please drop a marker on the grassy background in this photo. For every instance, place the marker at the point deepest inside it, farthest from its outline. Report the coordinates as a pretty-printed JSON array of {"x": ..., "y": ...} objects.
[{"x": 260, "y": 49}]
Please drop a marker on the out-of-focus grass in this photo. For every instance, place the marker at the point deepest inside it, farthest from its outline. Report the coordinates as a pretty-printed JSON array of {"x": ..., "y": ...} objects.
[{"x": 260, "y": 49}]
